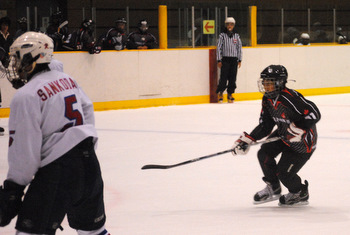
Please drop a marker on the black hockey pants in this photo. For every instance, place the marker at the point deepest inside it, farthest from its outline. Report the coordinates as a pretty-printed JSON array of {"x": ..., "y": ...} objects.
[
  {"x": 286, "y": 169},
  {"x": 70, "y": 185},
  {"x": 228, "y": 75}
]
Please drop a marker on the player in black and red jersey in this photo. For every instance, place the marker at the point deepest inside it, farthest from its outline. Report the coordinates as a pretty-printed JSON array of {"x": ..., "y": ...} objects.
[
  {"x": 295, "y": 118},
  {"x": 142, "y": 38},
  {"x": 114, "y": 39}
]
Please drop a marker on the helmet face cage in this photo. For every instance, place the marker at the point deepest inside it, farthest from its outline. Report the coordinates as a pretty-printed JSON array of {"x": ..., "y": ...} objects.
[
  {"x": 13, "y": 72},
  {"x": 270, "y": 87},
  {"x": 18, "y": 69},
  {"x": 143, "y": 26},
  {"x": 120, "y": 24}
]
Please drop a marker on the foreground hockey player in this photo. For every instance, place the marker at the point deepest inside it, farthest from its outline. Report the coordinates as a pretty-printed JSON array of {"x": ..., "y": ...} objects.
[
  {"x": 51, "y": 147},
  {"x": 295, "y": 118}
]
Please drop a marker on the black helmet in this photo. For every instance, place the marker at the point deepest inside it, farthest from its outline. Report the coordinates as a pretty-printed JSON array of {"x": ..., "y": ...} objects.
[
  {"x": 120, "y": 24},
  {"x": 120, "y": 20},
  {"x": 57, "y": 14},
  {"x": 275, "y": 75},
  {"x": 143, "y": 25},
  {"x": 56, "y": 18}
]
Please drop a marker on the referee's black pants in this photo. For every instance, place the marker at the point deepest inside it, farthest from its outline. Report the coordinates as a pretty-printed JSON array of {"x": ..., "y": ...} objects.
[
  {"x": 228, "y": 75},
  {"x": 287, "y": 167}
]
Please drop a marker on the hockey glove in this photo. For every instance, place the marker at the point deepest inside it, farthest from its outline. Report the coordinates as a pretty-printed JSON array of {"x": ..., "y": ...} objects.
[
  {"x": 242, "y": 145},
  {"x": 294, "y": 133},
  {"x": 10, "y": 201},
  {"x": 97, "y": 49}
]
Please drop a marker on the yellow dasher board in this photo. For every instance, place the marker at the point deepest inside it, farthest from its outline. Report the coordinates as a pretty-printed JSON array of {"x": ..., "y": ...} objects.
[{"x": 208, "y": 26}]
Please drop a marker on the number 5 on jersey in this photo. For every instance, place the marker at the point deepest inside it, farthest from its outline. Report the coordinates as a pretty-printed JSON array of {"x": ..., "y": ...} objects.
[{"x": 71, "y": 113}]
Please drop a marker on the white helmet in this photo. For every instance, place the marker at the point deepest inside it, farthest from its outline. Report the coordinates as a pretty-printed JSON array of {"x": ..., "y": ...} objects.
[
  {"x": 305, "y": 36},
  {"x": 37, "y": 45},
  {"x": 28, "y": 50},
  {"x": 230, "y": 20}
]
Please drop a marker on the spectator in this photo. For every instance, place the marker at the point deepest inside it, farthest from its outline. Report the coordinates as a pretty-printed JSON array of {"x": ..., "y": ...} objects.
[
  {"x": 229, "y": 57},
  {"x": 342, "y": 40},
  {"x": 197, "y": 33},
  {"x": 292, "y": 35},
  {"x": 114, "y": 39},
  {"x": 304, "y": 40},
  {"x": 319, "y": 35},
  {"x": 5, "y": 38},
  {"x": 22, "y": 23},
  {"x": 142, "y": 39},
  {"x": 82, "y": 39}
]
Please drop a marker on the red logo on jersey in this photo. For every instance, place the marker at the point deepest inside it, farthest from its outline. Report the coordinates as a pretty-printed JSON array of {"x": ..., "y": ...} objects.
[
  {"x": 46, "y": 46},
  {"x": 283, "y": 116},
  {"x": 10, "y": 141},
  {"x": 306, "y": 111}
]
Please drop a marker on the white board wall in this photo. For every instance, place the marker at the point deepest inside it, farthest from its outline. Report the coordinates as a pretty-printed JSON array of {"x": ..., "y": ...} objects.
[{"x": 133, "y": 75}]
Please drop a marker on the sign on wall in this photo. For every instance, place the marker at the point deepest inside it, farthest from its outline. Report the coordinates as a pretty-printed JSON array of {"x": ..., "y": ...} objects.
[{"x": 208, "y": 26}]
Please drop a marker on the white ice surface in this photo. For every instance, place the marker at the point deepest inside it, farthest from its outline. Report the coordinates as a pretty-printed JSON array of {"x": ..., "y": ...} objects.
[{"x": 213, "y": 196}]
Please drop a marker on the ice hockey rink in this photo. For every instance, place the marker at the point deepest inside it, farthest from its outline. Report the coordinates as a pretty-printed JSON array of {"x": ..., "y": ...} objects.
[{"x": 212, "y": 196}]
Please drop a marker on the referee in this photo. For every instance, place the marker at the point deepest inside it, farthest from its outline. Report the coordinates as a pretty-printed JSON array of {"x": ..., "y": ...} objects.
[{"x": 229, "y": 57}]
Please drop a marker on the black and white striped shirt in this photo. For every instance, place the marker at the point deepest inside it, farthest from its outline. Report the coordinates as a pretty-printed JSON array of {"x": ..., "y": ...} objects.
[{"x": 229, "y": 46}]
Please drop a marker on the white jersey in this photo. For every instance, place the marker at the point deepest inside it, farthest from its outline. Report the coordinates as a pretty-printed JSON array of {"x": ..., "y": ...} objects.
[
  {"x": 49, "y": 116},
  {"x": 56, "y": 65}
]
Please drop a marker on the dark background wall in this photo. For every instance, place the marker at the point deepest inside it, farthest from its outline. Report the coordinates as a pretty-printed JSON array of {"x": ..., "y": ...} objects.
[{"x": 108, "y": 10}]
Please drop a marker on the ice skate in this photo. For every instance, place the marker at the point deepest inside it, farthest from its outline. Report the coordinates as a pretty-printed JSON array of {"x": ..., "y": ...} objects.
[
  {"x": 268, "y": 194},
  {"x": 295, "y": 199},
  {"x": 220, "y": 97},
  {"x": 230, "y": 98},
  {"x": 2, "y": 131}
]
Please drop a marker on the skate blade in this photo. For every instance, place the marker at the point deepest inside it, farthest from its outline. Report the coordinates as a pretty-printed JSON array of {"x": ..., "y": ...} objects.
[
  {"x": 298, "y": 204},
  {"x": 274, "y": 198}
]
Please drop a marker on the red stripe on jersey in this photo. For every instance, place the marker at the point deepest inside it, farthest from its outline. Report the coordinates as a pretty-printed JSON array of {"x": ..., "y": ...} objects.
[{"x": 286, "y": 91}]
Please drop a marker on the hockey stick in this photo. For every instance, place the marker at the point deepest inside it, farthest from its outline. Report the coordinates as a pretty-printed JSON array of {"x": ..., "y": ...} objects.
[{"x": 153, "y": 166}]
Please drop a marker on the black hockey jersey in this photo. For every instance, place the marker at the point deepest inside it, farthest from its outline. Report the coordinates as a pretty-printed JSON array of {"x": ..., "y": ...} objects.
[
  {"x": 81, "y": 40},
  {"x": 136, "y": 39},
  {"x": 289, "y": 106},
  {"x": 112, "y": 40}
]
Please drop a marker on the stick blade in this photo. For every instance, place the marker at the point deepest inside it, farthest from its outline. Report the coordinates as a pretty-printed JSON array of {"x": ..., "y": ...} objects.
[{"x": 146, "y": 167}]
